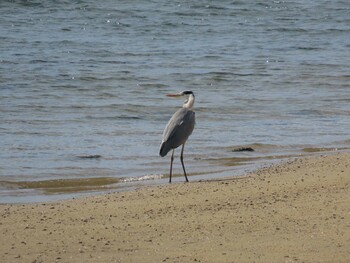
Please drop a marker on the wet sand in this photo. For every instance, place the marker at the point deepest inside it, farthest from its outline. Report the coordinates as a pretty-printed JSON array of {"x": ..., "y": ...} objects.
[{"x": 293, "y": 212}]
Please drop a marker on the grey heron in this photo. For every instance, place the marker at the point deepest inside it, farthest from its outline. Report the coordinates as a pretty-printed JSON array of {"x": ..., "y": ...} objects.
[{"x": 178, "y": 129}]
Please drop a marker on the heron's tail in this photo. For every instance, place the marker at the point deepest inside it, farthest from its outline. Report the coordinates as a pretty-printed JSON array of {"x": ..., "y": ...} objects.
[{"x": 164, "y": 149}]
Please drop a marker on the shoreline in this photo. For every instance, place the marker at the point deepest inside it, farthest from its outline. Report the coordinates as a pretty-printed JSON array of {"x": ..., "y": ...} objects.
[
  {"x": 296, "y": 211},
  {"x": 60, "y": 189}
]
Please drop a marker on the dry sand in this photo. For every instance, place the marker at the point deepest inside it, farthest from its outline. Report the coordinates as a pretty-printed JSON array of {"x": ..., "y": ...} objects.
[{"x": 294, "y": 212}]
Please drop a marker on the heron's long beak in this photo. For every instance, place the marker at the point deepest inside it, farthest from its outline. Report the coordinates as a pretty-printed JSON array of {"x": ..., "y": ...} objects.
[{"x": 174, "y": 95}]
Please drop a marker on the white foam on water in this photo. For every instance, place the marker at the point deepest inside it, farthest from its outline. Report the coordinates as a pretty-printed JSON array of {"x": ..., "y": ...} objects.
[{"x": 143, "y": 178}]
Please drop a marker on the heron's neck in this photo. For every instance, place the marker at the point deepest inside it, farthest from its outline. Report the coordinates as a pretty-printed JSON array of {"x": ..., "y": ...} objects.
[{"x": 189, "y": 103}]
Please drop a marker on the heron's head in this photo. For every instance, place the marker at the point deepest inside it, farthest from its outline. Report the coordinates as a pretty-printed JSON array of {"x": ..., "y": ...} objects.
[{"x": 189, "y": 97}]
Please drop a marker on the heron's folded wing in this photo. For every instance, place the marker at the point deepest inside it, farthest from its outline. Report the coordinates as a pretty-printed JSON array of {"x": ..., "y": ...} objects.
[{"x": 179, "y": 121}]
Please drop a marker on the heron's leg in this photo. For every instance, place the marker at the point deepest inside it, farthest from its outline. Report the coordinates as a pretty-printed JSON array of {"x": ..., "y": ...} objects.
[
  {"x": 171, "y": 165},
  {"x": 182, "y": 161}
]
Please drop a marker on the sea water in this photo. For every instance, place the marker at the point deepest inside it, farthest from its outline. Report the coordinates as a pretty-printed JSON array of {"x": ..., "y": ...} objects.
[{"x": 82, "y": 85}]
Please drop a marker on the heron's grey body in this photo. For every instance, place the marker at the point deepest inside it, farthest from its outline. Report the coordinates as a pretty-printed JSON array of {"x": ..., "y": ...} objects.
[{"x": 178, "y": 129}]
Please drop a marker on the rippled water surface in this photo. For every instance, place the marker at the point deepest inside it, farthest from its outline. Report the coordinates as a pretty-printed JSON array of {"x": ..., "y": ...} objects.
[{"x": 82, "y": 84}]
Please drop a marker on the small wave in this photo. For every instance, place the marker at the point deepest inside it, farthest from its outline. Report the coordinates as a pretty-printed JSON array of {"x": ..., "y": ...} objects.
[
  {"x": 143, "y": 178},
  {"x": 90, "y": 156},
  {"x": 322, "y": 149},
  {"x": 152, "y": 85},
  {"x": 308, "y": 48},
  {"x": 122, "y": 117},
  {"x": 127, "y": 117}
]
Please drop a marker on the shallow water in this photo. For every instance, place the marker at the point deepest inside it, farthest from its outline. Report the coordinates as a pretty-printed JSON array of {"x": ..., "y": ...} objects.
[{"x": 82, "y": 86}]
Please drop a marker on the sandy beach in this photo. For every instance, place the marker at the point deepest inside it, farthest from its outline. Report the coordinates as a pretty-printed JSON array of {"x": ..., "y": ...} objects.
[{"x": 297, "y": 211}]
